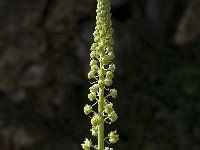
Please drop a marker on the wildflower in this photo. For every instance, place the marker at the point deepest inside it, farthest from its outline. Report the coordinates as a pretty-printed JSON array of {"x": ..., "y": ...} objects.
[
  {"x": 92, "y": 96},
  {"x": 113, "y": 93},
  {"x": 91, "y": 75},
  {"x": 87, "y": 144},
  {"x": 109, "y": 75},
  {"x": 111, "y": 67},
  {"x": 109, "y": 108},
  {"x": 87, "y": 109},
  {"x": 112, "y": 116},
  {"x": 94, "y": 88},
  {"x": 93, "y": 62},
  {"x": 96, "y": 120},
  {"x": 108, "y": 81},
  {"x": 94, "y": 131},
  {"x": 113, "y": 137}
]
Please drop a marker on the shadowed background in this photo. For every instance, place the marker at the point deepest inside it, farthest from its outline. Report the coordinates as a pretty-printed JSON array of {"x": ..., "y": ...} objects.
[{"x": 44, "y": 57}]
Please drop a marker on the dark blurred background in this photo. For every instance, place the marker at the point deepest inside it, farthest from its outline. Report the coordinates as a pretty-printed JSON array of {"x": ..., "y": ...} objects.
[{"x": 44, "y": 57}]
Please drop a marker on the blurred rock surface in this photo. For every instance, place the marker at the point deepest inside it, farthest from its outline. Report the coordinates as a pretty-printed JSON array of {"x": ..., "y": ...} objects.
[{"x": 43, "y": 70}]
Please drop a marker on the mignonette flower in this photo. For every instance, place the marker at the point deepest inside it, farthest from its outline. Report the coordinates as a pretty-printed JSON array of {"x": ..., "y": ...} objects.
[
  {"x": 105, "y": 60},
  {"x": 93, "y": 54},
  {"x": 87, "y": 109},
  {"x": 111, "y": 67},
  {"x": 94, "y": 88},
  {"x": 87, "y": 144},
  {"x": 94, "y": 131},
  {"x": 96, "y": 120},
  {"x": 93, "y": 62},
  {"x": 94, "y": 68},
  {"x": 108, "y": 81},
  {"x": 91, "y": 75},
  {"x": 109, "y": 108},
  {"x": 111, "y": 55},
  {"x": 112, "y": 116},
  {"x": 109, "y": 74},
  {"x": 92, "y": 96},
  {"x": 113, "y": 137},
  {"x": 113, "y": 93}
]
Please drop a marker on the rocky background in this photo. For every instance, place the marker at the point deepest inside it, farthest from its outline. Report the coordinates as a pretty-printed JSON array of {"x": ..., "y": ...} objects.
[{"x": 44, "y": 56}]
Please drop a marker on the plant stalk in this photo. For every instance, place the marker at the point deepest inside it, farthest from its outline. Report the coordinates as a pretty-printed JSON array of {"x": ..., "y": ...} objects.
[{"x": 100, "y": 111}]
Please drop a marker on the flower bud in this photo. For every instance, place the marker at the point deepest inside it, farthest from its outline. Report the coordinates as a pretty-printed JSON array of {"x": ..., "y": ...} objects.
[
  {"x": 94, "y": 88},
  {"x": 94, "y": 68},
  {"x": 96, "y": 38},
  {"x": 92, "y": 96},
  {"x": 111, "y": 55},
  {"x": 91, "y": 75},
  {"x": 105, "y": 60},
  {"x": 109, "y": 74},
  {"x": 111, "y": 41},
  {"x": 111, "y": 67},
  {"x": 108, "y": 81},
  {"x": 100, "y": 48},
  {"x": 109, "y": 49},
  {"x": 110, "y": 30},
  {"x": 93, "y": 54},
  {"x": 93, "y": 62},
  {"x": 94, "y": 45},
  {"x": 94, "y": 34}
]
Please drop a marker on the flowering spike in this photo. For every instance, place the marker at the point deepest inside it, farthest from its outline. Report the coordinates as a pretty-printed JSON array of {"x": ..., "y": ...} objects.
[{"x": 102, "y": 70}]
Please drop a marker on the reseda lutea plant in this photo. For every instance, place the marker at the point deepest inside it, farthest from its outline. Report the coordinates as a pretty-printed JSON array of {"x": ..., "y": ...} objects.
[{"x": 101, "y": 73}]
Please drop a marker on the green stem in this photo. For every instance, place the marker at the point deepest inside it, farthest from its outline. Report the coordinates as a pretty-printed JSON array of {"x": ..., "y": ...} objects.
[{"x": 100, "y": 111}]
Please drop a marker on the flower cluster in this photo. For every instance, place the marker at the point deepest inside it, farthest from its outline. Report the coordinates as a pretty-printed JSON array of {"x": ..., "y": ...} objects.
[{"x": 101, "y": 73}]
